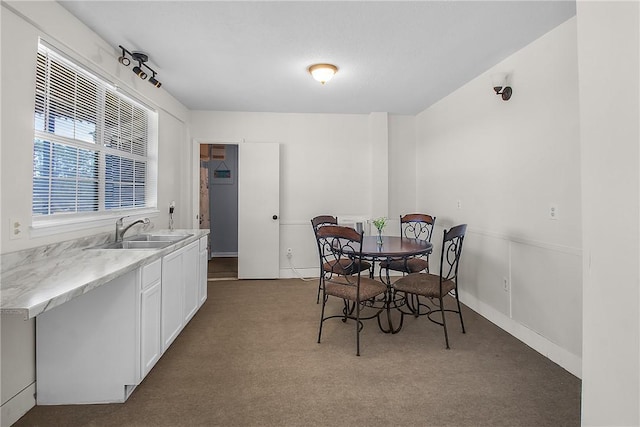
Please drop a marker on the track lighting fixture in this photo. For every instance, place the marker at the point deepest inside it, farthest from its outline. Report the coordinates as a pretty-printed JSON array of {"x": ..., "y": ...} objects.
[{"x": 141, "y": 58}]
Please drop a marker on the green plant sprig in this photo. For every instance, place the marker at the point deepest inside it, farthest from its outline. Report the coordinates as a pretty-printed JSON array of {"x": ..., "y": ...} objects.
[{"x": 380, "y": 223}]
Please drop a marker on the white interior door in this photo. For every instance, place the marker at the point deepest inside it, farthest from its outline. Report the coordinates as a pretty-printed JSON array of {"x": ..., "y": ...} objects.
[{"x": 258, "y": 210}]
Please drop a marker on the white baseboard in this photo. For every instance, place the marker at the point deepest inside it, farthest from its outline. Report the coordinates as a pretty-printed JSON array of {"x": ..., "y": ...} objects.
[
  {"x": 542, "y": 345},
  {"x": 299, "y": 273},
  {"x": 224, "y": 254},
  {"x": 17, "y": 406}
]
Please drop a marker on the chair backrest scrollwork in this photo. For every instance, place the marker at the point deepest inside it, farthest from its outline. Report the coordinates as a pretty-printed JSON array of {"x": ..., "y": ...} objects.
[
  {"x": 417, "y": 226},
  {"x": 321, "y": 221},
  {"x": 341, "y": 250},
  {"x": 451, "y": 251}
]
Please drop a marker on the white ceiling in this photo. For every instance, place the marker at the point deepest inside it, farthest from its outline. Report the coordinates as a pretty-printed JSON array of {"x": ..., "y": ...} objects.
[{"x": 396, "y": 57}]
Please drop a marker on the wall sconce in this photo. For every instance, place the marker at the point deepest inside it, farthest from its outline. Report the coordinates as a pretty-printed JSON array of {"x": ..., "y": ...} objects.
[
  {"x": 323, "y": 72},
  {"x": 141, "y": 58},
  {"x": 500, "y": 85}
]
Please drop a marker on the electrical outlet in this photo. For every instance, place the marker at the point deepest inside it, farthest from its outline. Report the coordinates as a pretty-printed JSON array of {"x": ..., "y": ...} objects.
[
  {"x": 505, "y": 284},
  {"x": 459, "y": 204},
  {"x": 289, "y": 252},
  {"x": 553, "y": 212},
  {"x": 16, "y": 229}
]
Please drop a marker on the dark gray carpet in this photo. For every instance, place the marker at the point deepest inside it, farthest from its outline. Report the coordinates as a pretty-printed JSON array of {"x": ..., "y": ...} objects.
[
  {"x": 222, "y": 268},
  {"x": 250, "y": 358}
]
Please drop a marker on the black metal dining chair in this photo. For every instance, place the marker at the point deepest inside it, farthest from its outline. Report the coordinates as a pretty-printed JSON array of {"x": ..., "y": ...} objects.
[
  {"x": 436, "y": 286},
  {"x": 320, "y": 221},
  {"x": 414, "y": 226},
  {"x": 341, "y": 249}
]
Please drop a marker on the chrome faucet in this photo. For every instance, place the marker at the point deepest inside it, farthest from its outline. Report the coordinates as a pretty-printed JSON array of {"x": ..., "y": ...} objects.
[{"x": 121, "y": 229}]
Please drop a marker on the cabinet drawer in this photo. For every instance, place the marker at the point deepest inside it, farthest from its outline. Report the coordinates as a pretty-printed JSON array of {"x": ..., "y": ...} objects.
[{"x": 151, "y": 273}]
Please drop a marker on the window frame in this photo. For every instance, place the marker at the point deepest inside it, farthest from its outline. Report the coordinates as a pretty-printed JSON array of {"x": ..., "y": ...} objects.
[{"x": 57, "y": 222}]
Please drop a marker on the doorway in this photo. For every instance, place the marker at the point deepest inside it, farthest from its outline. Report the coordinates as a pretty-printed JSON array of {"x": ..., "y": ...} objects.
[
  {"x": 258, "y": 204},
  {"x": 219, "y": 207}
]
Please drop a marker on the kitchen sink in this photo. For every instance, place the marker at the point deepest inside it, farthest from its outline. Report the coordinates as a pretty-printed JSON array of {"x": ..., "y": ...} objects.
[
  {"x": 145, "y": 241},
  {"x": 134, "y": 244},
  {"x": 159, "y": 237}
]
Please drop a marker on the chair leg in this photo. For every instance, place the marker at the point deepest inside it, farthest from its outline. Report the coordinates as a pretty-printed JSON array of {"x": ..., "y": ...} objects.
[
  {"x": 319, "y": 287},
  {"x": 357, "y": 328},
  {"x": 444, "y": 323},
  {"x": 460, "y": 311},
  {"x": 324, "y": 301},
  {"x": 413, "y": 304},
  {"x": 347, "y": 310}
]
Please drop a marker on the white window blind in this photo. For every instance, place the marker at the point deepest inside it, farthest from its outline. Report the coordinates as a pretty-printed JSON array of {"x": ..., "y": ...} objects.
[{"x": 91, "y": 143}]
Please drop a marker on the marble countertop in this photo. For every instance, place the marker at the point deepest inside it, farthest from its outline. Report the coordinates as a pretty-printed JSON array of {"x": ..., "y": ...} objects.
[{"x": 48, "y": 281}]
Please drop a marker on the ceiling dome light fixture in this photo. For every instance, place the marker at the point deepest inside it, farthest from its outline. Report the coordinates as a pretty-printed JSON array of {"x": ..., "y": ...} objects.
[{"x": 323, "y": 72}]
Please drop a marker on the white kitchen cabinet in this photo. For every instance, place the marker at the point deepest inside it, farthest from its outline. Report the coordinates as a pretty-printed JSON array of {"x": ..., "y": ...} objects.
[
  {"x": 150, "y": 316},
  {"x": 179, "y": 291},
  {"x": 204, "y": 263},
  {"x": 97, "y": 347},
  {"x": 171, "y": 298},
  {"x": 191, "y": 275},
  {"x": 87, "y": 349}
]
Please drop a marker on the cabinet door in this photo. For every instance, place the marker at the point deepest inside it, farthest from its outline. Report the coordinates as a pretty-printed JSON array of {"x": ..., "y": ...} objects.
[
  {"x": 202, "y": 280},
  {"x": 172, "y": 281},
  {"x": 191, "y": 273},
  {"x": 151, "y": 338}
]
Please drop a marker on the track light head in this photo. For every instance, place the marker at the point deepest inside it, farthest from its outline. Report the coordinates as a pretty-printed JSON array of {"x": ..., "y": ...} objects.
[
  {"x": 124, "y": 61},
  {"x": 154, "y": 82},
  {"x": 138, "y": 71}
]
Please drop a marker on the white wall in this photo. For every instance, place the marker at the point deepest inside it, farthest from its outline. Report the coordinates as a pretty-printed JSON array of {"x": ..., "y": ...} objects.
[
  {"x": 21, "y": 25},
  {"x": 330, "y": 164},
  {"x": 402, "y": 167},
  {"x": 507, "y": 163},
  {"x": 379, "y": 178},
  {"x": 174, "y": 171},
  {"x": 609, "y": 50},
  {"x": 326, "y": 167}
]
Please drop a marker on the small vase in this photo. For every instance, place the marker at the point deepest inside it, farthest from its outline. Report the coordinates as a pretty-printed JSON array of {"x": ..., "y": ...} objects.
[{"x": 379, "y": 240}]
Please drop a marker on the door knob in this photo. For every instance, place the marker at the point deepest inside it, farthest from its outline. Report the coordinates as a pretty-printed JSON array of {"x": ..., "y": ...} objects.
[{"x": 275, "y": 217}]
